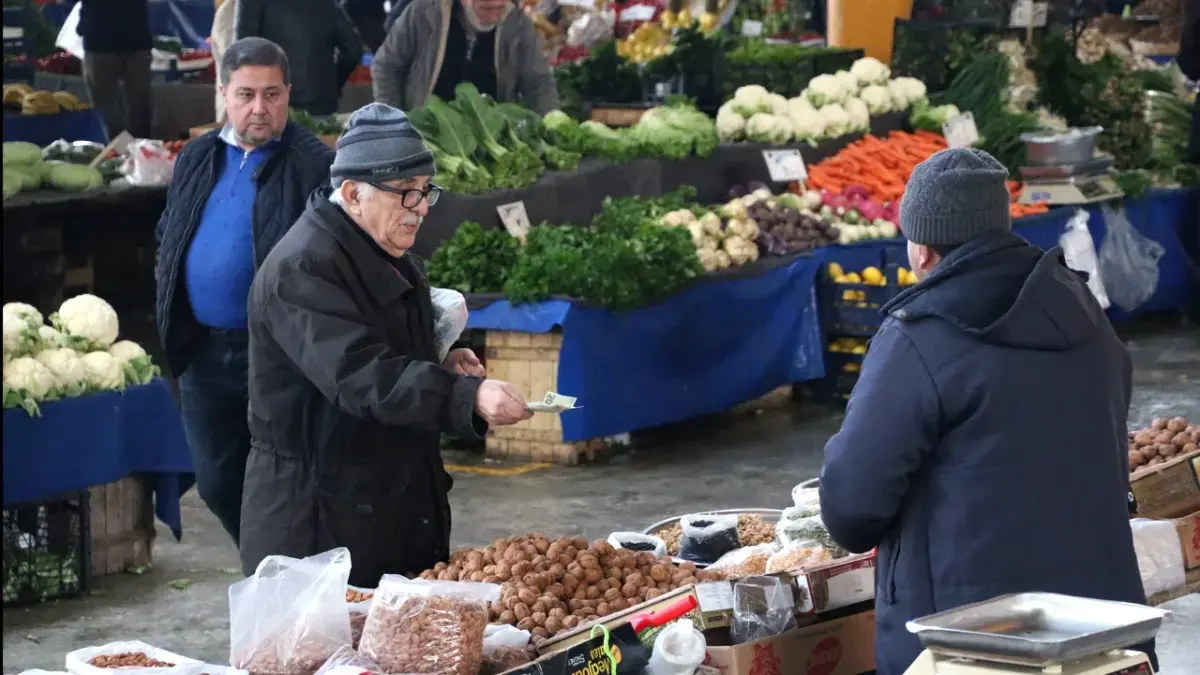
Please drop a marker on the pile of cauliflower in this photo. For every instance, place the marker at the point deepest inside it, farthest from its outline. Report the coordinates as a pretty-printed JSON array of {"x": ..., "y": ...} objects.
[
  {"x": 78, "y": 353},
  {"x": 831, "y": 106},
  {"x": 719, "y": 244}
]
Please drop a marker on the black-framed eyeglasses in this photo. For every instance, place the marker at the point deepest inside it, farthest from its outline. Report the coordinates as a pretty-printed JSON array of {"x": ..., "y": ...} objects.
[{"x": 410, "y": 198}]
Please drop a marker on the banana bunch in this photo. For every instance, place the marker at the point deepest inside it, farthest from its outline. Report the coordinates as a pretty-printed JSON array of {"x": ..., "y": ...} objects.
[
  {"x": 14, "y": 94},
  {"x": 40, "y": 103},
  {"x": 69, "y": 101},
  {"x": 646, "y": 43}
]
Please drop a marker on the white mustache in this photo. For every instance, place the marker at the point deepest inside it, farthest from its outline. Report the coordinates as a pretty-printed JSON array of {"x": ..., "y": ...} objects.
[{"x": 413, "y": 221}]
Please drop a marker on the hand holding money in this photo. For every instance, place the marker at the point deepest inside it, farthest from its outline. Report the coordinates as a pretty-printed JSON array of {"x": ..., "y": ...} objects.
[
  {"x": 552, "y": 403},
  {"x": 500, "y": 404}
]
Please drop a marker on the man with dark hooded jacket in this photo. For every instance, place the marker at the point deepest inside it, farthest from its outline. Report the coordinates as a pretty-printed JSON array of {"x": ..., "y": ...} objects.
[
  {"x": 348, "y": 393},
  {"x": 984, "y": 447}
]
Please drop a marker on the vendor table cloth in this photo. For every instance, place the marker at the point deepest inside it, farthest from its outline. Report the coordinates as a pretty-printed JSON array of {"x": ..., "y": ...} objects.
[
  {"x": 75, "y": 125},
  {"x": 720, "y": 342},
  {"x": 98, "y": 439}
]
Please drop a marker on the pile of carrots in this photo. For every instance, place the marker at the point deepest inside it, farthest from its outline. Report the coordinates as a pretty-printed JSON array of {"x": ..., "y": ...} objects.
[{"x": 883, "y": 166}]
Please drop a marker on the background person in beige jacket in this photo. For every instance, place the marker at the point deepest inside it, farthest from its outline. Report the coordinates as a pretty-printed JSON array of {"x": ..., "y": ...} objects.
[{"x": 222, "y": 37}]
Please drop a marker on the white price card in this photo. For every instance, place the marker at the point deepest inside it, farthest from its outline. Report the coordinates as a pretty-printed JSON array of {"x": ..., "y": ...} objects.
[
  {"x": 785, "y": 166},
  {"x": 586, "y": 4},
  {"x": 715, "y": 596},
  {"x": 751, "y": 28},
  {"x": 960, "y": 131},
  {"x": 1028, "y": 14},
  {"x": 515, "y": 219},
  {"x": 639, "y": 13}
]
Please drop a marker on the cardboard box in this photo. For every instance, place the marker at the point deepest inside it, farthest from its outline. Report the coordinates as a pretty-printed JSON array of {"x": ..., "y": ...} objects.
[
  {"x": 1188, "y": 528},
  {"x": 840, "y": 647},
  {"x": 590, "y": 658},
  {"x": 841, "y": 583},
  {"x": 1168, "y": 490},
  {"x": 612, "y": 621}
]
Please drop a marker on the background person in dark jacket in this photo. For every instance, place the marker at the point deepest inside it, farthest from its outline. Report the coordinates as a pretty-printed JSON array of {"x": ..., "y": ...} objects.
[
  {"x": 368, "y": 17},
  {"x": 348, "y": 395},
  {"x": 1001, "y": 392},
  {"x": 235, "y": 192},
  {"x": 319, "y": 40},
  {"x": 1189, "y": 63},
  {"x": 116, "y": 47}
]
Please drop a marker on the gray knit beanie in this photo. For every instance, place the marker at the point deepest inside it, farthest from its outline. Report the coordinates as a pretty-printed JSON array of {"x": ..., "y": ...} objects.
[
  {"x": 379, "y": 144},
  {"x": 953, "y": 197}
]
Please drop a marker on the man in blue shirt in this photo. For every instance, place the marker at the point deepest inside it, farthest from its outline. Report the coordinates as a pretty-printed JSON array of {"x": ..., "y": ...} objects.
[{"x": 236, "y": 191}]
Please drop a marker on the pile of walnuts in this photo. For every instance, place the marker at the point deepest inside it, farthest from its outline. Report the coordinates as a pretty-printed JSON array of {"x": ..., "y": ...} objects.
[
  {"x": 1163, "y": 440},
  {"x": 551, "y": 587}
]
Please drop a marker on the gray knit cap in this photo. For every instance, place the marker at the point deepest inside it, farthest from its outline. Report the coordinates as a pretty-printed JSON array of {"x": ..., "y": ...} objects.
[
  {"x": 953, "y": 197},
  {"x": 379, "y": 144}
]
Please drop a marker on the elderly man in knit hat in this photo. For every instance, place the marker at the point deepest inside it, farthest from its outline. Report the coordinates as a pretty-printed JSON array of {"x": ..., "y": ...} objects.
[
  {"x": 347, "y": 394},
  {"x": 984, "y": 447}
]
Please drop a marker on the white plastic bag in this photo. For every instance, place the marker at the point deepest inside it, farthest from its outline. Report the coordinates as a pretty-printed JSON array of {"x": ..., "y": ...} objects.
[
  {"x": 503, "y": 636},
  {"x": 449, "y": 318},
  {"x": 678, "y": 650},
  {"x": 797, "y": 527},
  {"x": 763, "y": 607},
  {"x": 1159, "y": 555},
  {"x": 292, "y": 615},
  {"x": 77, "y": 661},
  {"x": 1128, "y": 261},
  {"x": 747, "y": 561},
  {"x": 708, "y": 536},
  {"x": 69, "y": 38},
  {"x": 358, "y": 612},
  {"x": 806, "y": 497},
  {"x": 149, "y": 164},
  {"x": 638, "y": 542},
  {"x": 1079, "y": 252},
  {"x": 346, "y": 661},
  {"x": 447, "y": 618},
  {"x": 797, "y": 556}
]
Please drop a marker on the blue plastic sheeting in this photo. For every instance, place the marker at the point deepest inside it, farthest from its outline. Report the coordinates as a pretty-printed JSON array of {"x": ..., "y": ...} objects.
[
  {"x": 78, "y": 125},
  {"x": 98, "y": 439},
  {"x": 188, "y": 20},
  {"x": 708, "y": 348}
]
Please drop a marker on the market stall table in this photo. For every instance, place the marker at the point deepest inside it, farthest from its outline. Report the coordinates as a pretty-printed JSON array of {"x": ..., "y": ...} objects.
[{"x": 77, "y": 125}]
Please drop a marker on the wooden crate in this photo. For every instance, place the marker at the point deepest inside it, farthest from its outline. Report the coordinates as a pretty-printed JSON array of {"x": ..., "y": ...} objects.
[
  {"x": 122, "y": 525},
  {"x": 1167, "y": 490}
]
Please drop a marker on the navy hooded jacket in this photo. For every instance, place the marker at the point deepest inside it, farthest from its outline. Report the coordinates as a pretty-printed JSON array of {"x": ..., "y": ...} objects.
[{"x": 984, "y": 447}]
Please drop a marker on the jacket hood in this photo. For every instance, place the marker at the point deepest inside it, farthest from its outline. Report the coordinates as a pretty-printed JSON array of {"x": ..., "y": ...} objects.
[{"x": 1000, "y": 289}]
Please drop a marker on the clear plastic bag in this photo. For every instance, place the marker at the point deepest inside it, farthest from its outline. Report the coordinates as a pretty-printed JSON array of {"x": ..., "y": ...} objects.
[
  {"x": 449, "y": 319},
  {"x": 506, "y": 647},
  {"x": 707, "y": 537},
  {"x": 358, "y": 610},
  {"x": 763, "y": 607},
  {"x": 149, "y": 163},
  {"x": 640, "y": 543},
  {"x": 744, "y": 562},
  {"x": 797, "y": 556},
  {"x": 678, "y": 650},
  {"x": 346, "y": 661},
  {"x": 421, "y": 626},
  {"x": 808, "y": 498},
  {"x": 798, "y": 528},
  {"x": 79, "y": 661},
  {"x": 291, "y": 616},
  {"x": 1079, "y": 252},
  {"x": 1128, "y": 261},
  {"x": 1159, "y": 555}
]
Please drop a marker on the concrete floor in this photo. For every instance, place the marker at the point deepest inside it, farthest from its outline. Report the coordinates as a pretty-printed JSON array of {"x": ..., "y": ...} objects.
[{"x": 750, "y": 462}]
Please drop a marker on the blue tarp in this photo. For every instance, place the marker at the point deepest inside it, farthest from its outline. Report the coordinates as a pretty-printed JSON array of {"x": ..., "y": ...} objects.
[
  {"x": 77, "y": 125},
  {"x": 708, "y": 348},
  {"x": 98, "y": 439},
  {"x": 188, "y": 20}
]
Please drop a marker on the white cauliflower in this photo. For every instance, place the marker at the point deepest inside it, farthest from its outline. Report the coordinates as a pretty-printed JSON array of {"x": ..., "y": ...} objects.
[
  {"x": 850, "y": 83},
  {"x": 877, "y": 98},
  {"x": 136, "y": 364},
  {"x": 696, "y": 229},
  {"x": 743, "y": 227},
  {"x": 769, "y": 129},
  {"x": 70, "y": 376},
  {"x": 708, "y": 259},
  {"x": 750, "y": 100},
  {"x": 825, "y": 89},
  {"x": 49, "y": 338},
  {"x": 798, "y": 104},
  {"x": 733, "y": 210},
  {"x": 103, "y": 371},
  {"x": 672, "y": 219},
  {"x": 723, "y": 260},
  {"x": 27, "y": 382},
  {"x": 87, "y": 321},
  {"x": 779, "y": 104},
  {"x": 26, "y": 313},
  {"x": 860, "y": 115},
  {"x": 869, "y": 70},
  {"x": 837, "y": 121},
  {"x": 711, "y": 223},
  {"x": 906, "y": 92},
  {"x": 14, "y": 335},
  {"x": 731, "y": 126},
  {"x": 807, "y": 123}
]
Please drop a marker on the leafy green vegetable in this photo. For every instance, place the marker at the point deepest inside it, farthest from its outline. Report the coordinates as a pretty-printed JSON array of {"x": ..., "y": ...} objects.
[{"x": 474, "y": 260}]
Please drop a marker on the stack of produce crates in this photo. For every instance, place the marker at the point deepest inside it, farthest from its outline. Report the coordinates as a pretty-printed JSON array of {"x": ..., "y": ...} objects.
[
  {"x": 852, "y": 300},
  {"x": 47, "y": 549}
]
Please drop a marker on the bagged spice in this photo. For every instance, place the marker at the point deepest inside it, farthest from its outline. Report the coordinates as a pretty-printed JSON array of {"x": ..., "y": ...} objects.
[
  {"x": 798, "y": 556},
  {"x": 808, "y": 529},
  {"x": 707, "y": 537},
  {"x": 744, "y": 562},
  {"x": 639, "y": 543}
]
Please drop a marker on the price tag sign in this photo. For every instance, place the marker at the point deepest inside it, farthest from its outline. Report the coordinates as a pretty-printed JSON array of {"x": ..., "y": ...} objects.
[
  {"x": 586, "y": 4},
  {"x": 960, "y": 131},
  {"x": 639, "y": 13},
  {"x": 752, "y": 28},
  {"x": 515, "y": 219},
  {"x": 1028, "y": 14},
  {"x": 785, "y": 166}
]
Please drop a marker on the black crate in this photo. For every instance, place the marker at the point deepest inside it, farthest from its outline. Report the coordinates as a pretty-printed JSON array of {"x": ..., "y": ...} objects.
[
  {"x": 829, "y": 61},
  {"x": 787, "y": 83},
  {"x": 841, "y": 374},
  {"x": 934, "y": 50},
  {"x": 47, "y": 550},
  {"x": 853, "y": 309}
]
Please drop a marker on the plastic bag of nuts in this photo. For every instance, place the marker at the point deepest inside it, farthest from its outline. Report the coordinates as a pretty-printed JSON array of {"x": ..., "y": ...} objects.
[
  {"x": 359, "y": 602},
  {"x": 422, "y": 626},
  {"x": 132, "y": 657},
  {"x": 291, "y": 615}
]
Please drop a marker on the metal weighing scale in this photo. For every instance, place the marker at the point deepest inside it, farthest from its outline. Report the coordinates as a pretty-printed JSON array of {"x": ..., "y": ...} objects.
[
  {"x": 1036, "y": 633},
  {"x": 1069, "y": 184}
]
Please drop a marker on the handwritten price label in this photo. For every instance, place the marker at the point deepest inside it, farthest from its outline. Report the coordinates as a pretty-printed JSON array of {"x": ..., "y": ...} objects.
[
  {"x": 1028, "y": 14},
  {"x": 752, "y": 28},
  {"x": 785, "y": 166},
  {"x": 960, "y": 131},
  {"x": 515, "y": 219}
]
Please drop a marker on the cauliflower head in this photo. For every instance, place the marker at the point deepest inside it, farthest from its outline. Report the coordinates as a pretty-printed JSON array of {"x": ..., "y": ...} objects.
[
  {"x": 837, "y": 120},
  {"x": 50, "y": 338},
  {"x": 731, "y": 125},
  {"x": 27, "y": 382},
  {"x": 779, "y": 104},
  {"x": 850, "y": 83},
  {"x": 860, "y": 115},
  {"x": 750, "y": 100},
  {"x": 869, "y": 70},
  {"x": 103, "y": 371},
  {"x": 825, "y": 89},
  {"x": 70, "y": 376},
  {"x": 877, "y": 98},
  {"x": 27, "y": 313},
  {"x": 136, "y": 363},
  {"x": 769, "y": 129},
  {"x": 87, "y": 321},
  {"x": 906, "y": 92}
]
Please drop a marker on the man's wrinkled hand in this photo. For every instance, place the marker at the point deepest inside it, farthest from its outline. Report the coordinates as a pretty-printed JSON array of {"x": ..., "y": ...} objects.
[
  {"x": 464, "y": 362},
  {"x": 500, "y": 404}
]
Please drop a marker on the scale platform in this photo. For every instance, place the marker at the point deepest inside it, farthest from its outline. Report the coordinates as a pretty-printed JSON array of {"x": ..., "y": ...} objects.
[
  {"x": 1069, "y": 184},
  {"x": 1027, "y": 633}
]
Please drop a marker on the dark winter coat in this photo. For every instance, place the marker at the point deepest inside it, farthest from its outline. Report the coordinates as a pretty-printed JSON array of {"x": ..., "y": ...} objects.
[
  {"x": 114, "y": 26},
  {"x": 984, "y": 447},
  {"x": 347, "y": 404},
  {"x": 1189, "y": 63},
  {"x": 299, "y": 165},
  {"x": 320, "y": 42}
]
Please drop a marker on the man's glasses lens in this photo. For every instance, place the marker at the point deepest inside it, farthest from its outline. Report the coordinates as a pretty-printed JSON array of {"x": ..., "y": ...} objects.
[{"x": 411, "y": 198}]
